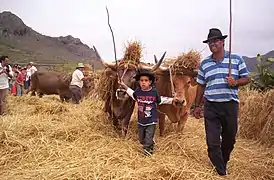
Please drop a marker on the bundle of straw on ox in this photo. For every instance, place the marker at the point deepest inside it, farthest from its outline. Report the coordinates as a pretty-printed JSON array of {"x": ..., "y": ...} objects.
[
  {"x": 118, "y": 104},
  {"x": 176, "y": 78},
  {"x": 89, "y": 84}
]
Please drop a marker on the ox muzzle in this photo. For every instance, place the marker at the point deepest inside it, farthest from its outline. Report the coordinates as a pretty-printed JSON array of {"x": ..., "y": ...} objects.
[
  {"x": 121, "y": 94},
  {"x": 179, "y": 103}
]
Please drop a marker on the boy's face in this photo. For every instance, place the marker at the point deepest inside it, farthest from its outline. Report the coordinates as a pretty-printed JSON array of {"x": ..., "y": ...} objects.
[{"x": 144, "y": 82}]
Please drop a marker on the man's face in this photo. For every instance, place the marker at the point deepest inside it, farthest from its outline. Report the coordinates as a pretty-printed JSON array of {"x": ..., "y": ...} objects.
[
  {"x": 5, "y": 62},
  {"x": 216, "y": 45}
]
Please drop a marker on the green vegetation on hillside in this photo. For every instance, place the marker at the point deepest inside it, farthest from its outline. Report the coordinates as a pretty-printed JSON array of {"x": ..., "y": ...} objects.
[
  {"x": 66, "y": 67},
  {"x": 264, "y": 79}
]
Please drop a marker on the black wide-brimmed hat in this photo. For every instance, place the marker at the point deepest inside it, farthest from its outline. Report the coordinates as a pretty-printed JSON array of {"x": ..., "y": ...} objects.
[
  {"x": 148, "y": 73},
  {"x": 214, "y": 33}
]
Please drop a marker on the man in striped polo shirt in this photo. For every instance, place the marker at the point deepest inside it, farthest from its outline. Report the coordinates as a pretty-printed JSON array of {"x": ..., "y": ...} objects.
[{"x": 220, "y": 92}]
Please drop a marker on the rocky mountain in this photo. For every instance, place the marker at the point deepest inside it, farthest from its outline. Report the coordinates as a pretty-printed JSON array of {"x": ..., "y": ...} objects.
[
  {"x": 252, "y": 61},
  {"x": 23, "y": 44}
]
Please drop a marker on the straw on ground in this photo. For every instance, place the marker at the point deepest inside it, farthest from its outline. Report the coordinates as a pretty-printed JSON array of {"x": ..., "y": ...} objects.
[{"x": 45, "y": 139}]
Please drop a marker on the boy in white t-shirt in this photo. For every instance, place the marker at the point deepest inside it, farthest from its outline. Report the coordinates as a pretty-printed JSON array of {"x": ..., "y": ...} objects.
[{"x": 76, "y": 83}]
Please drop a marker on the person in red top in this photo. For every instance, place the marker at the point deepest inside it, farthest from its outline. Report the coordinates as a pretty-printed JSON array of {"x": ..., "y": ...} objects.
[{"x": 19, "y": 82}]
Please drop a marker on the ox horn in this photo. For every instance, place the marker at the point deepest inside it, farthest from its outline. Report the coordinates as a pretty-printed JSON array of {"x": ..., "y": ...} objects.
[
  {"x": 156, "y": 66},
  {"x": 155, "y": 59},
  {"x": 107, "y": 65},
  {"x": 162, "y": 68}
]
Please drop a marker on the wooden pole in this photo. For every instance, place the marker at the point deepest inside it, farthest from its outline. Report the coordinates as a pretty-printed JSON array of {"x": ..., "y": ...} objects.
[
  {"x": 113, "y": 40},
  {"x": 230, "y": 28}
]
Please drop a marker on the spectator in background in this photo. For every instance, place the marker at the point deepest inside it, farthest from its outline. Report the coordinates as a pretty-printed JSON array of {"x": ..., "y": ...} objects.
[
  {"x": 24, "y": 74},
  {"x": 33, "y": 69},
  {"x": 19, "y": 82},
  {"x": 76, "y": 83},
  {"x": 5, "y": 73},
  {"x": 28, "y": 74},
  {"x": 12, "y": 84}
]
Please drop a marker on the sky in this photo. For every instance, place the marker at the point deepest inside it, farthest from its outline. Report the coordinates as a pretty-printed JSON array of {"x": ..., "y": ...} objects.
[{"x": 174, "y": 26}]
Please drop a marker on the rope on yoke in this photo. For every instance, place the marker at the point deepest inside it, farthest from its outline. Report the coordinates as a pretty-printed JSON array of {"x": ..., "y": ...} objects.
[{"x": 171, "y": 81}]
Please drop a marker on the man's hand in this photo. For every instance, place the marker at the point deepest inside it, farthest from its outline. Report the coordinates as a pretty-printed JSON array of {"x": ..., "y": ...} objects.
[
  {"x": 231, "y": 81},
  {"x": 197, "y": 112}
]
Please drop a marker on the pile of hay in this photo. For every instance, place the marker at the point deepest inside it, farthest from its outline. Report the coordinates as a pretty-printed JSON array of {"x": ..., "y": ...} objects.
[
  {"x": 169, "y": 61},
  {"x": 132, "y": 53},
  {"x": 80, "y": 143},
  {"x": 95, "y": 76},
  {"x": 131, "y": 59},
  {"x": 185, "y": 61},
  {"x": 105, "y": 86},
  {"x": 88, "y": 70},
  {"x": 256, "y": 119}
]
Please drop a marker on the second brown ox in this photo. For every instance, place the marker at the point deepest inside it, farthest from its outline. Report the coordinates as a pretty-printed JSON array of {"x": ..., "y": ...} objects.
[
  {"x": 49, "y": 83},
  {"x": 184, "y": 85}
]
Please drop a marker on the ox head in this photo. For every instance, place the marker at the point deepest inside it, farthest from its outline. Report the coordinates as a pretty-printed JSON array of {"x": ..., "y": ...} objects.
[
  {"x": 181, "y": 82},
  {"x": 127, "y": 73}
]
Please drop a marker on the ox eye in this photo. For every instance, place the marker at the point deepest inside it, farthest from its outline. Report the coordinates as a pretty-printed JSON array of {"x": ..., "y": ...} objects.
[{"x": 188, "y": 82}]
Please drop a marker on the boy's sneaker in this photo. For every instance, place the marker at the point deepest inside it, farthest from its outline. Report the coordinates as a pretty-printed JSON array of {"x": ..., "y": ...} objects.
[{"x": 148, "y": 152}]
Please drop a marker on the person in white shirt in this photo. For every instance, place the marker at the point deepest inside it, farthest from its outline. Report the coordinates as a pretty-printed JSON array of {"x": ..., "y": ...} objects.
[
  {"x": 33, "y": 69},
  {"x": 5, "y": 74},
  {"x": 28, "y": 74},
  {"x": 76, "y": 83}
]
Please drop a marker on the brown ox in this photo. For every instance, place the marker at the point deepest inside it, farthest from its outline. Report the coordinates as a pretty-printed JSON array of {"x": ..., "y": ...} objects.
[
  {"x": 184, "y": 89},
  {"x": 49, "y": 83},
  {"x": 122, "y": 106}
]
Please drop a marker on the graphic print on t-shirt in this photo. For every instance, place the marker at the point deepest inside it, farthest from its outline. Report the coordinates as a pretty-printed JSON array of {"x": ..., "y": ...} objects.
[
  {"x": 147, "y": 105},
  {"x": 148, "y": 111}
]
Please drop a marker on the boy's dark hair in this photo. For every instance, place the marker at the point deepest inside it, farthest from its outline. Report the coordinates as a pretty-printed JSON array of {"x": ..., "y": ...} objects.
[
  {"x": 147, "y": 73},
  {"x": 2, "y": 58}
]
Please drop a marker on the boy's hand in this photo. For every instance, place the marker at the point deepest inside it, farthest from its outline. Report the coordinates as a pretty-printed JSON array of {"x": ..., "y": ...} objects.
[
  {"x": 177, "y": 102},
  {"x": 123, "y": 84},
  {"x": 174, "y": 100}
]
